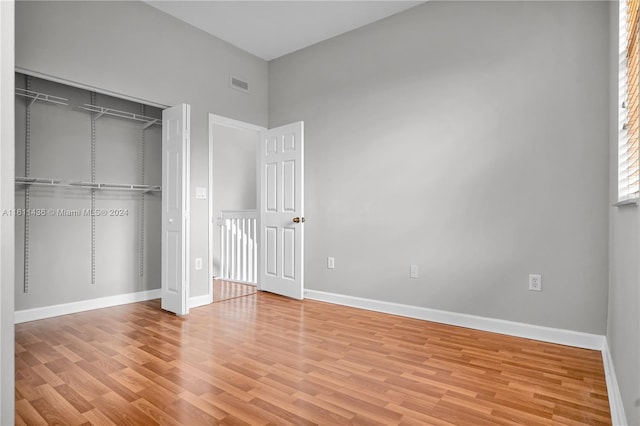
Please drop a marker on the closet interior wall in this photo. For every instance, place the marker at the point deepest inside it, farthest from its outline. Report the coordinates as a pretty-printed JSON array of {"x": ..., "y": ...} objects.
[{"x": 71, "y": 248}]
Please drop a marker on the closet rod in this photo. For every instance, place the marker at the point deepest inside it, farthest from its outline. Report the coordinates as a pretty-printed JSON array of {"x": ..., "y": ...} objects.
[
  {"x": 37, "y": 96},
  {"x": 100, "y": 111},
  {"x": 86, "y": 185}
]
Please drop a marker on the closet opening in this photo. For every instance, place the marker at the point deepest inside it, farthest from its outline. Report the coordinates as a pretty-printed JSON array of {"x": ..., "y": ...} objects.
[{"x": 88, "y": 195}]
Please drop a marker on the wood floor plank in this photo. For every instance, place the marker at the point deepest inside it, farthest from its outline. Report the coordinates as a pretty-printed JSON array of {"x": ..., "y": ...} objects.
[
  {"x": 158, "y": 395},
  {"x": 49, "y": 412},
  {"x": 131, "y": 380},
  {"x": 152, "y": 411},
  {"x": 53, "y": 407},
  {"x": 19, "y": 421},
  {"x": 74, "y": 398},
  {"x": 418, "y": 416},
  {"x": 262, "y": 359},
  {"x": 188, "y": 414},
  {"x": 325, "y": 405},
  {"x": 28, "y": 391},
  {"x": 96, "y": 417},
  {"x": 362, "y": 408},
  {"x": 83, "y": 383},
  {"x": 28, "y": 376},
  {"x": 283, "y": 414},
  {"x": 242, "y": 410},
  {"x": 106, "y": 380},
  {"x": 321, "y": 416},
  {"x": 47, "y": 375},
  {"x": 233, "y": 421},
  {"x": 27, "y": 414},
  {"x": 120, "y": 411},
  {"x": 203, "y": 405}
]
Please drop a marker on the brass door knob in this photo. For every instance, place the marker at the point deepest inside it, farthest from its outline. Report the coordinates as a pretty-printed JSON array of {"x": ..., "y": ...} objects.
[{"x": 298, "y": 219}]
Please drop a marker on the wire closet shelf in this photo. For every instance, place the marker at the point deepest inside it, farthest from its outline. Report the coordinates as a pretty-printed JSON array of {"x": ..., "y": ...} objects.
[{"x": 99, "y": 111}]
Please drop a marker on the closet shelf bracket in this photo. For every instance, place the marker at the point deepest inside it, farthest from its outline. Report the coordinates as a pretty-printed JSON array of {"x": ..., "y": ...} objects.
[
  {"x": 100, "y": 111},
  {"x": 37, "y": 96},
  {"x": 151, "y": 123}
]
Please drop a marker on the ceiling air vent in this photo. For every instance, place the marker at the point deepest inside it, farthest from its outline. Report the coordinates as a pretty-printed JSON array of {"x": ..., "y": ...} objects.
[{"x": 238, "y": 84}]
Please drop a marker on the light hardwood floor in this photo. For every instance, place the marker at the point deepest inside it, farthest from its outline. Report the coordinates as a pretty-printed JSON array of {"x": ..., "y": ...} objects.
[
  {"x": 224, "y": 290},
  {"x": 264, "y": 359}
]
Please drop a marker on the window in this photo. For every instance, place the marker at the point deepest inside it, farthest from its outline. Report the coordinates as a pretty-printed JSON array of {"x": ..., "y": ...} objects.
[{"x": 628, "y": 166}]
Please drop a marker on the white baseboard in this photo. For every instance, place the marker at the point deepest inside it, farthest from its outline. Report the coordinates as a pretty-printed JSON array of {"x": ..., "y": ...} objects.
[
  {"x": 197, "y": 301},
  {"x": 618, "y": 416},
  {"x": 535, "y": 332},
  {"x": 84, "y": 305},
  {"x": 102, "y": 302},
  {"x": 205, "y": 299}
]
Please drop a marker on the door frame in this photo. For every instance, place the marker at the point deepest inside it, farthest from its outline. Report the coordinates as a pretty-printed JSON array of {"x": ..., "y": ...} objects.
[{"x": 218, "y": 120}]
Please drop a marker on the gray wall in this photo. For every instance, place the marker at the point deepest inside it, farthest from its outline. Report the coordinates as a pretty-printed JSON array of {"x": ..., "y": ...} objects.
[
  {"x": 234, "y": 176},
  {"x": 133, "y": 49},
  {"x": 59, "y": 266},
  {"x": 7, "y": 375},
  {"x": 466, "y": 138},
  {"x": 623, "y": 325}
]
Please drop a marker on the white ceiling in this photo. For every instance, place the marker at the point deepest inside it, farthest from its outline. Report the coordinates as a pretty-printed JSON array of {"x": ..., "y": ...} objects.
[{"x": 270, "y": 29}]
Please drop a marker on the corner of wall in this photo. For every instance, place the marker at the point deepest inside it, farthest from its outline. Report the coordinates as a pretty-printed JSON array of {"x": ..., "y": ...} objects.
[{"x": 616, "y": 405}]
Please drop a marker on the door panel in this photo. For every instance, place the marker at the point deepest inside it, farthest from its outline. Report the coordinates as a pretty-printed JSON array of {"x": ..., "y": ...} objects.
[
  {"x": 175, "y": 209},
  {"x": 289, "y": 254},
  {"x": 289, "y": 186},
  {"x": 271, "y": 249},
  {"x": 282, "y": 200},
  {"x": 271, "y": 187},
  {"x": 173, "y": 252}
]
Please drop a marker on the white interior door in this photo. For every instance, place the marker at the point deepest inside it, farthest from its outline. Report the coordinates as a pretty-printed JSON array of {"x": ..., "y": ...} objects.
[
  {"x": 281, "y": 210},
  {"x": 175, "y": 208}
]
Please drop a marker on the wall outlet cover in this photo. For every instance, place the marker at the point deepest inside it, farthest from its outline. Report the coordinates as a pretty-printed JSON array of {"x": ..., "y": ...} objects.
[
  {"x": 413, "y": 271},
  {"x": 198, "y": 263},
  {"x": 535, "y": 282},
  {"x": 331, "y": 263}
]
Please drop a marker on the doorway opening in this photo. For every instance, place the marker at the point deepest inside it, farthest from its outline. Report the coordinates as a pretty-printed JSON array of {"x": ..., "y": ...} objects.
[
  {"x": 233, "y": 198},
  {"x": 225, "y": 290},
  {"x": 256, "y": 196}
]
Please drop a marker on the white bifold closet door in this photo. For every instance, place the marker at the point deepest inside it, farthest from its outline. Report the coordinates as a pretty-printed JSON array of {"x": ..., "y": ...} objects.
[{"x": 175, "y": 209}]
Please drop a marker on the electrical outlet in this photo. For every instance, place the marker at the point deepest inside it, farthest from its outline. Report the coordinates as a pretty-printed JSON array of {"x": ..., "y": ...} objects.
[
  {"x": 331, "y": 263},
  {"x": 201, "y": 193},
  {"x": 413, "y": 271},
  {"x": 535, "y": 282},
  {"x": 198, "y": 263}
]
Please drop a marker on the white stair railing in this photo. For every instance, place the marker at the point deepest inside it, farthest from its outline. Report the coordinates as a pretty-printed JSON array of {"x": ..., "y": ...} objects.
[{"x": 238, "y": 245}]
